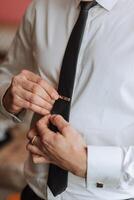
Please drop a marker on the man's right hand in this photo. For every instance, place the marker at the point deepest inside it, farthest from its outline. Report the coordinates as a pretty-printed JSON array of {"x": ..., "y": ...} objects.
[{"x": 29, "y": 91}]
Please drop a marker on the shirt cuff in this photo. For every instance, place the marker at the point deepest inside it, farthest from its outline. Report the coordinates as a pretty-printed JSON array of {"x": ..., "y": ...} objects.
[
  {"x": 16, "y": 118},
  {"x": 104, "y": 167}
]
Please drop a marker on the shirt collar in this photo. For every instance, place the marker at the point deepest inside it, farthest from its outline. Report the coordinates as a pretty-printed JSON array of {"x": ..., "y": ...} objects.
[{"x": 107, "y": 4}]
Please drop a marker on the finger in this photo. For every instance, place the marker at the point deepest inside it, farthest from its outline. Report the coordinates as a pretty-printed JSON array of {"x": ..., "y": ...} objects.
[
  {"x": 28, "y": 105},
  {"x": 37, "y": 79},
  {"x": 36, "y": 89},
  {"x": 62, "y": 125},
  {"x": 31, "y": 134},
  {"x": 34, "y": 149},
  {"x": 40, "y": 159},
  {"x": 46, "y": 135},
  {"x": 43, "y": 131},
  {"x": 43, "y": 122},
  {"x": 30, "y": 75},
  {"x": 34, "y": 99},
  {"x": 35, "y": 141},
  {"x": 15, "y": 109}
]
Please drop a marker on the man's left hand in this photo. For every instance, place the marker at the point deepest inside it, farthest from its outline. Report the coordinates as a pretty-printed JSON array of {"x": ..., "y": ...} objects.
[{"x": 66, "y": 148}]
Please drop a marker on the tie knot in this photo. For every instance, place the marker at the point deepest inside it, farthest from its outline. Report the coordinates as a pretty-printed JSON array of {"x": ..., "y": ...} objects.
[{"x": 86, "y": 5}]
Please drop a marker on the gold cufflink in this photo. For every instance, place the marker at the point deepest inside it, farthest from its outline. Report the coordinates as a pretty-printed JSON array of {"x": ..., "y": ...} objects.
[{"x": 65, "y": 98}]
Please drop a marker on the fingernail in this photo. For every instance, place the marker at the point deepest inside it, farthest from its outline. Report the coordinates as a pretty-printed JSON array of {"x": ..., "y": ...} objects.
[
  {"x": 53, "y": 116},
  {"x": 55, "y": 96},
  {"x": 52, "y": 102},
  {"x": 47, "y": 113}
]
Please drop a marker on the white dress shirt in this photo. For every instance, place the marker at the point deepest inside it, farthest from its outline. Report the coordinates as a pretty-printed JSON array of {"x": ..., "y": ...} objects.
[{"x": 103, "y": 99}]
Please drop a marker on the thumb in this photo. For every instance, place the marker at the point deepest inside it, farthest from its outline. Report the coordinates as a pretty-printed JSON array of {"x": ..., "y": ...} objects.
[{"x": 59, "y": 122}]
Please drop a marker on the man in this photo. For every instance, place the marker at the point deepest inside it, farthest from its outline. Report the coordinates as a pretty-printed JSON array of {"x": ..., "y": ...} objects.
[{"x": 96, "y": 147}]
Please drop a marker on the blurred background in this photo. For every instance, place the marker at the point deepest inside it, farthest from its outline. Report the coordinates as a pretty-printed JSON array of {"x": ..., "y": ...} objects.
[{"x": 12, "y": 152}]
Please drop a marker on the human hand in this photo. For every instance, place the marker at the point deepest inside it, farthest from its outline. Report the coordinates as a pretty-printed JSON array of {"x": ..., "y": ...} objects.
[
  {"x": 29, "y": 91},
  {"x": 66, "y": 148}
]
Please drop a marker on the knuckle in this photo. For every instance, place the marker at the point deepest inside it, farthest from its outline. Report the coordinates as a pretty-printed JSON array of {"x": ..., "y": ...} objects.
[
  {"x": 66, "y": 128},
  {"x": 32, "y": 98},
  {"x": 40, "y": 110},
  {"x": 29, "y": 105},
  {"x": 51, "y": 90},
  {"x": 34, "y": 159},
  {"x": 46, "y": 97},
  {"x": 30, "y": 134},
  {"x": 35, "y": 89},
  {"x": 26, "y": 104},
  {"x": 48, "y": 109},
  {"x": 15, "y": 80},
  {"x": 39, "y": 124},
  {"x": 58, "y": 118},
  {"x": 16, "y": 108},
  {"x": 40, "y": 81},
  {"x": 45, "y": 111},
  {"x": 13, "y": 90},
  {"x": 24, "y": 72}
]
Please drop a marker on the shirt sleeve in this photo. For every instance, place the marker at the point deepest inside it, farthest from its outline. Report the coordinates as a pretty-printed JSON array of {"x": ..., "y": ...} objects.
[
  {"x": 110, "y": 167},
  {"x": 18, "y": 57}
]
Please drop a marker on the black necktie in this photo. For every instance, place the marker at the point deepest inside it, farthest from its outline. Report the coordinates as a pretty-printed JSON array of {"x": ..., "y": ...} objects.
[{"x": 58, "y": 178}]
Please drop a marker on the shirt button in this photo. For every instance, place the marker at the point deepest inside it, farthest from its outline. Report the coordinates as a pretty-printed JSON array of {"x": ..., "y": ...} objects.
[{"x": 99, "y": 185}]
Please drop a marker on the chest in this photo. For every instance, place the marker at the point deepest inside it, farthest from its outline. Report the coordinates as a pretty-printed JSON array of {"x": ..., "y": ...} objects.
[
  {"x": 107, "y": 45},
  {"x": 105, "y": 68}
]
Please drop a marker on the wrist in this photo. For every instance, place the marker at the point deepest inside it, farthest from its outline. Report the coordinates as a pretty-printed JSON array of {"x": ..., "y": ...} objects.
[{"x": 81, "y": 168}]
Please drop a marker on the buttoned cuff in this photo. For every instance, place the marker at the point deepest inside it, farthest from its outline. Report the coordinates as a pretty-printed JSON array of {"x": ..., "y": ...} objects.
[
  {"x": 104, "y": 165},
  {"x": 16, "y": 118}
]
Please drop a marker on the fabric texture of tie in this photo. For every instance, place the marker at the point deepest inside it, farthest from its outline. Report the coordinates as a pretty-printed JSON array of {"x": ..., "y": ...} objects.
[{"x": 57, "y": 177}]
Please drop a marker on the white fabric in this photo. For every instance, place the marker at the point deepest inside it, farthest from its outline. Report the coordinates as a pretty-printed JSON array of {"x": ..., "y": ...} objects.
[{"x": 103, "y": 100}]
